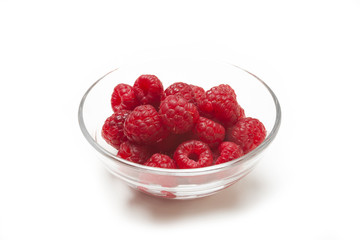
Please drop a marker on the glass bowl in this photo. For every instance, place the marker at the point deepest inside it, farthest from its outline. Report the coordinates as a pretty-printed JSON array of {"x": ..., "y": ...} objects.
[{"x": 258, "y": 100}]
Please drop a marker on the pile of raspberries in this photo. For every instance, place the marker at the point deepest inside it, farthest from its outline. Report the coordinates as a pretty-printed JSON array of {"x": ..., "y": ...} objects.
[{"x": 181, "y": 127}]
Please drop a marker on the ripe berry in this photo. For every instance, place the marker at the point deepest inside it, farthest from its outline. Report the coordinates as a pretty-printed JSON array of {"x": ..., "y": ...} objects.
[
  {"x": 123, "y": 97},
  {"x": 220, "y": 103},
  {"x": 241, "y": 113},
  {"x": 228, "y": 151},
  {"x": 216, "y": 154},
  {"x": 199, "y": 94},
  {"x": 182, "y": 89},
  {"x": 228, "y": 89},
  {"x": 113, "y": 128},
  {"x": 209, "y": 132},
  {"x": 171, "y": 142},
  {"x": 148, "y": 90},
  {"x": 134, "y": 152},
  {"x": 160, "y": 161},
  {"x": 193, "y": 154},
  {"x": 143, "y": 125},
  {"x": 248, "y": 133},
  {"x": 177, "y": 114}
]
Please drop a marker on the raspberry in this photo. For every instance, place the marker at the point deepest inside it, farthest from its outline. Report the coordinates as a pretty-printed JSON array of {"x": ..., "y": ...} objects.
[
  {"x": 220, "y": 103},
  {"x": 228, "y": 89},
  {"x": 177, "y": 114},
  {"x": 248, "y": 133},
  {"x": 160, "y": 161},
  {"x": 123, "y": 97},
  {"x": 134, "y": 152},
  {"x": 241, "y": 113},
  {"x": 193, "y": 154},
  {"x": 113, "y": 128},
  {"x": 199, "y": 94},
  {"x": 171, "y": 142},
  {"x": 143, "y": 125},
  {"x": 182, "y": 89},
  {"x": 148, "y": 90},
  {"x": 216, "y": 154},
  {"x": 228, "y": 151},
  {"x": 209, "y": 132}
]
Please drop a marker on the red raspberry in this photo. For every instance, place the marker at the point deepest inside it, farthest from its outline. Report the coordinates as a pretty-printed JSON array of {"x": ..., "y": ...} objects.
[
  {"x": 248, "y": 133},
  {"x": 171, "y": 142},
  {"x": 143, "y": 125},
  {"x": 134, "y": 152},
  {"x": 160, "y": 161},
  {"x": 241, "y": 113},
  {"x": 216, "y": 154},
  {"x": 220, "y": 102},
  {"x": 113, "y": 128},
  {"x": 209, "y": 132},
  {"x": 182, "y": 89},
  {"x": 199, "y": 94},
  {"x": 193, "y": 154},
  {"x": 123, "y": 97},
  {"x": 228, "y": 151},
  {"x": 148, "y": 90},
  {"x": 228, "y": 89},
  {"x": 177, "y": 114}
]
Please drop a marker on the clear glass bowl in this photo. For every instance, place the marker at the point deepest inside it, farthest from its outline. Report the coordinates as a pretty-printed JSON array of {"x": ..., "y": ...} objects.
[{"x": 258, "y": 100}]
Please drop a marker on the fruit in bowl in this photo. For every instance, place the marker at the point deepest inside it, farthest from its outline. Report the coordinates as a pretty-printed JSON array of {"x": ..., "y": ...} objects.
[
  {"x": 194, "y": 125},
  {"x": 179, "y": 133}
]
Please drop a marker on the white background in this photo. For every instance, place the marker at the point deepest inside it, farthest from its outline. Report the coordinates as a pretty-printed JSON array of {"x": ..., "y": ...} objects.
[{"x": 53, "y": 187}]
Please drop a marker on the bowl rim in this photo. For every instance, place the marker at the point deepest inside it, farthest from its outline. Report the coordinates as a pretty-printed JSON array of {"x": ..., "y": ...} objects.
[{"x": 204, "y": 170}]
